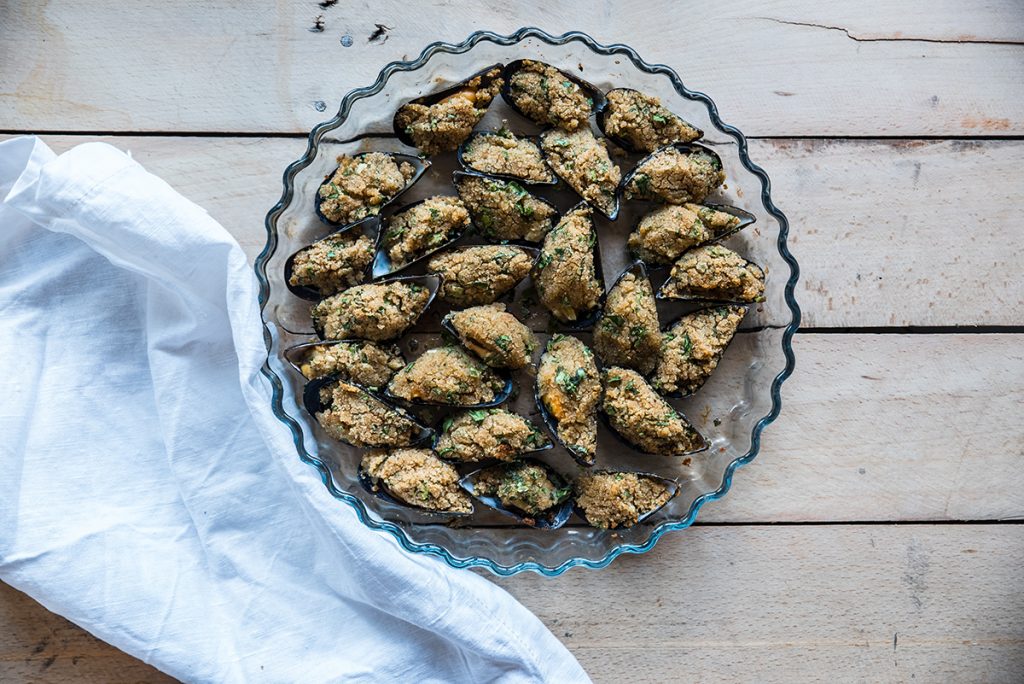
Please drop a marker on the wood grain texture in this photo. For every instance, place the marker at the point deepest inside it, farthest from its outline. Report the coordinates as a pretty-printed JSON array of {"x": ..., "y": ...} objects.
[
  {"x": 794, "y": 68},
  {"x": 882, "y": 237},
  {"x": 769, "y": 604}
]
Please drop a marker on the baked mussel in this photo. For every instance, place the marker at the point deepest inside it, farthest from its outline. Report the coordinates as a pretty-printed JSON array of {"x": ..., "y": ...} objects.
[
  {"x": 692, "y": 346},
  {"x": 416, "y": 478},
  {"x": 568, "y": 391},
  {"x": 497, "y": 337},
  {"x": 581, "y": 160},
  {"x": 714, "y": 274},
  {"x": 528, "y": 490},
  {"x": 504, "y": 210},
  {"x": 476, "y": 435},
  {"x": 441, "y": 121},
  {"x": 548, "y": 96},
  {"x": 675, "y": 174},
  {"x": 378, "y": 311},
  {"x": 628, "y": 332},
  {"x": 643, "y": 419},
  {"x": 449, "y": 376},
  {"x": 474, "y": 275},
  {"x": 363, "y": 184},
  {"x": 663, "y": 235},
  {"x": 358, "y": 361},
  {"x": 354, "y": 415},
  {"x": 568, "y": 273},
  {"x": 617, "y": 499},
  {"x": 638, "y": 122},
  {"x": 503, "y": 154},
  {"x": 418, "y": 230},
  {"x": 342, "y": 259}
]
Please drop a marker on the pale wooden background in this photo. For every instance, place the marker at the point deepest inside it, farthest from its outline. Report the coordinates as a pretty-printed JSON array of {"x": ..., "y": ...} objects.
[{"x": 877, "y": 536}]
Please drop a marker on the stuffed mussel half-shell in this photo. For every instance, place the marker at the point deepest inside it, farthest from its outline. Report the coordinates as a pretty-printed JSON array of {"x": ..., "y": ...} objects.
[
  {"x": 415, "y": 478},
  {"x": 610, "y": 500},
  {"x": 418, "y": 230},
  {"x": 581, "y": 160},
  {"x": 449, "y": 376},
  {"x": 357, "y": 361},
  {"x": 476, "y": 435},
  {"x": 568, "y": 273},
  {"x": 638, "y": 122},
  {"x": 441, "y": 121},
  {"x": 503, "y": 209},
  {"x": 493, "y": 334},
  {"x": 363, "y": 184},
  {"x": 627, "y": 334},
  {"x": 354, "y": 415},
  {"x": 342, "y": 259},
  {"x": 528, "y": 490},
  {"x": 568, "y": 391},
  {"x": 714, "y": 274},
  {"x": 643, "y": 419},
  {"x": 663, "y": 235},
  {"x": 675, "y": 174},
  {"x": 691, "y": 348},
  {"x": 378, "y": 311},
  {"x": 480, "y": 274},
  {"x": 548, "y": 96},
  {"x": 503, "y": 154}
]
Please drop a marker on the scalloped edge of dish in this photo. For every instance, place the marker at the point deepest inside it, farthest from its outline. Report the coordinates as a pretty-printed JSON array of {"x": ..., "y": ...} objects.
[{"x": 277, "y": 388}]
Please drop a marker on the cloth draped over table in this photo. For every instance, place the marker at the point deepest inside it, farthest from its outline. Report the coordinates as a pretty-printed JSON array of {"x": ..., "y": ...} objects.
[{"x": 147, "y": 492}]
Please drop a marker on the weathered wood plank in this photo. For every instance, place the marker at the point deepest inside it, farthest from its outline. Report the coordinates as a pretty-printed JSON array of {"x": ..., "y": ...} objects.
[
  {"x": 888, "y": 233},
  {"x": 751, "y": 603},
  {"x": 796, "y": 68}
]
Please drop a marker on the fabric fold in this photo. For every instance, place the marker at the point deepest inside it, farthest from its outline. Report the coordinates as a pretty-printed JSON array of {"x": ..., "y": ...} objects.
[{"x": 148, "y": 493}]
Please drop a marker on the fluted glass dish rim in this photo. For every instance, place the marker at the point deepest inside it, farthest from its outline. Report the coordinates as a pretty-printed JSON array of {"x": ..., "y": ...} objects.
[{"x": 277, "y": 389}]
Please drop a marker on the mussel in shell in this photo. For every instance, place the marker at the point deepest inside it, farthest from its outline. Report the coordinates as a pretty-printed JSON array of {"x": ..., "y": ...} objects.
[
  {"x": 548, "y": 96},
  {"x": 354, "y": 415},
  {"x": 449, "y": 376},
  {"x": 641, "y": 417},
  {"x": 504, "y": 210},
  {"x": 357, "y": 361},
  {"x": 638, "y": 122},
  {"x": 714, "y": 274},
  {"x": 627, "y": 334},
  {"x": 342, "y": 259},
  {"x": 480, "y": 274},
  {"x": 675, "y": 174},
  {"x": 662, "y": 236},
  {"x": 375, "y": 311},
  {"x": 441, "y": 121},
  {"x": 692, "y": 347},
  {"x": 416, "y": 478},
  {"x": 417, "y": 230},
  {"x": 503, "y": 154},
  {"x": 568, "y": 274},
  {"x": 581, "y": 160},
  {"x": 568, "y": 391},
  {"x": 484, "y": 434},
  {"x": 497, "y": 337},
  {"x": 528, "y": 490},
  {"x": 610, "y": 500},
  {"x": 363, "y": 184}
]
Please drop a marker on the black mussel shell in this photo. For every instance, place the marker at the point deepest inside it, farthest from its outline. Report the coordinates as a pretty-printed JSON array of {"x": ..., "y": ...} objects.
[
  {"x": 672, "y": 486},
  {"x": 550, "y": 519},
  {"x": 605, "y": 111},
  {"x": 431, "y": 282},
  {"x": 435, "y": 97},
  {"x": 584, "y": 319},
  {"x": 419, "y": 164},
  {"x": 551, "y": 180},
  {"x": 296, "y": 355},
  {"x": 445, "y": 425},
  {"x": 593, "y": 92},
  {"x": 671, "y": 324},
  {"x": 381, "y": 491},
  {"x": 662, "y": 295},
  {"x": 614, "y": 213},
  {"x": 382, "y": 265},
  {"x": 369, "y": 226},
  {"x": 459, "y": 176},
  {"x": 311, "y": 401},
  {"x": 685, "y": 148}
]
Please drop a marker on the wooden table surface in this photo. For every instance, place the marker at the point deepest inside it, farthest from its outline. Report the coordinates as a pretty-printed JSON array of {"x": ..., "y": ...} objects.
[{"x": 877, "y": 536}]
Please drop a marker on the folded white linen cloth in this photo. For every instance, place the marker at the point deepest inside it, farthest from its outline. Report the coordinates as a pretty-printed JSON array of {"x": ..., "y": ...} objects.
[{"x": 147, "y": 492}]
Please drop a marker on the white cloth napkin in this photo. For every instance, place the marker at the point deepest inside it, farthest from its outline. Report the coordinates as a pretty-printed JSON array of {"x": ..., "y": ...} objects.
[{"x": 148, "y": 494}]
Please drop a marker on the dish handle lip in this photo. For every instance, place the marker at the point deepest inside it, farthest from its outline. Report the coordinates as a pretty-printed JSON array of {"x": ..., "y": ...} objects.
[{"x": 277, "y": 387}]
